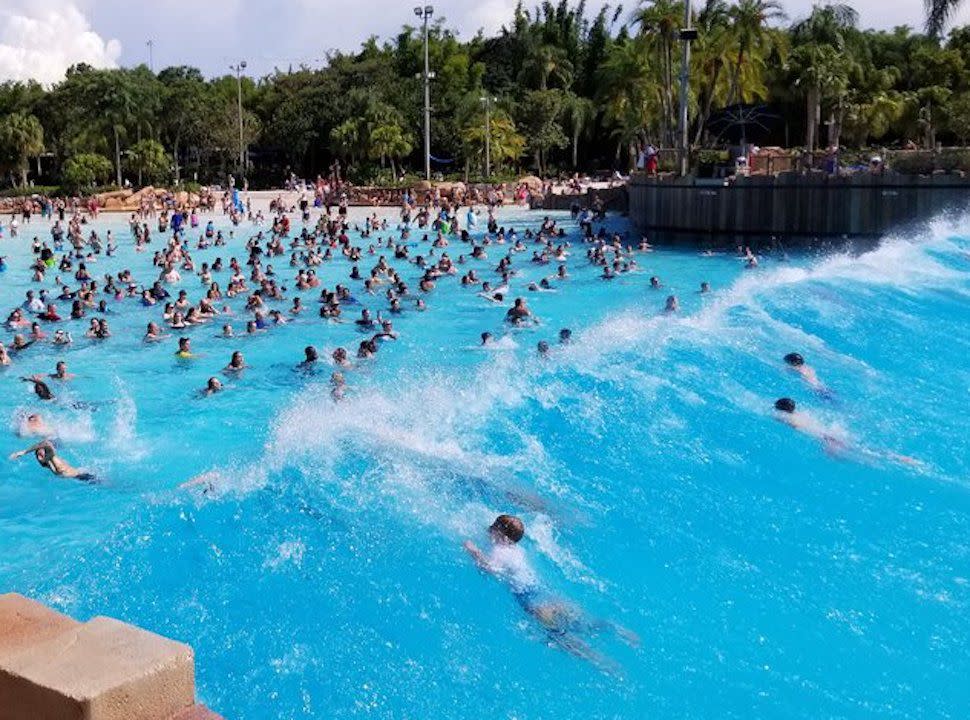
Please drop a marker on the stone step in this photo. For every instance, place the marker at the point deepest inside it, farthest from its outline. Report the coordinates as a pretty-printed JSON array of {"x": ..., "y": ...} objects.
[{"x": 53, "y": 668}]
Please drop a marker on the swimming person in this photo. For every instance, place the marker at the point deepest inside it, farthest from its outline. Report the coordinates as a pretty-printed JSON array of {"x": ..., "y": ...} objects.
[
  {"x": 40, "y": 387},
  {"x": 47, "y": 458},
  {"x": 213, "y": 386},
  {"x": 797, "y": 363},
  {"x": 562, "y": 623},
  {"x": 786, "y": 411}
]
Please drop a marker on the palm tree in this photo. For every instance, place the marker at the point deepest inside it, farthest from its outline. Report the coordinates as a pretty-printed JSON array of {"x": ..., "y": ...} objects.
[
  {"x": 819, "y": 63},
  {"x": 938, "y": 13},
  {"x": 548, "y": 62},
  {"x": 387, "y": 140},
  {"x": 580, "y": 113},
  {"x": 21, "y": 137},
  {"x": 631, "y": 96},
  {"x": 751, "y": 36},
  {"x": 710, "y": 56},
  {"x": 659, "y": 22}
]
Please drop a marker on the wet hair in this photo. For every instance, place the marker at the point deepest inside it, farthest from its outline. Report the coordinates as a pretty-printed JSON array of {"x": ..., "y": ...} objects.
[
  {"x": 542, "y": 347},
  {"x": 310, "y": 352},
  {"x": 785, "y": 405},
  {"x": 794, "y": 359},
  {"x": 565, "y": 334},
  {"x": 509, "y": 527}
]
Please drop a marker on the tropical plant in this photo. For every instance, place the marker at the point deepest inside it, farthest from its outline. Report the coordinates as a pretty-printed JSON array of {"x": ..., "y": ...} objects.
[
  {"x": 84, "y": 171},
  {"x": 149, "y": 159},
  {"x": 21, "y": 137}
]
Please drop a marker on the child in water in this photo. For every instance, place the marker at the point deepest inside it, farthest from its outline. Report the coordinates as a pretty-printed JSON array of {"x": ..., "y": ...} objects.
[{"x": 562, "y": 623}]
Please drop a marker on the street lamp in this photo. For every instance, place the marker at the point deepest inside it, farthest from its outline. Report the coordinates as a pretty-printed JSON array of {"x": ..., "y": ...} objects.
[
  {"x": 242, "y": 150},
  {"x": 425, "y": 14},
  {"x": 487, "y": 101},
  {"x": 687, "y": 35}
]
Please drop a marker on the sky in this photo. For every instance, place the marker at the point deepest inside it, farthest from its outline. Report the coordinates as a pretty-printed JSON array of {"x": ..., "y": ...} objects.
[{"x": 40, "y": 39}]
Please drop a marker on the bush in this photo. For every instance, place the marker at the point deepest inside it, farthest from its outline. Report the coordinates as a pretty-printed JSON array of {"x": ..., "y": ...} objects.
[{"x": 85, "y": 171}]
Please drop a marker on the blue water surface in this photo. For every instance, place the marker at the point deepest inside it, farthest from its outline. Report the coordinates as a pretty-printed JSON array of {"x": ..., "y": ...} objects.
[{"x": 766, "y": 576}]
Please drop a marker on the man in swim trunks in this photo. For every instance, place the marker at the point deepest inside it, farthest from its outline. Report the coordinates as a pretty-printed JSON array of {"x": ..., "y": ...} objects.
[{"x": 47, "y": 458}]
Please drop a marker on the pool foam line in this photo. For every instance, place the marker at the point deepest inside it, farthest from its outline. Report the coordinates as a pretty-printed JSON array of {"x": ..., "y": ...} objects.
[{"x": 53, "y": 667}]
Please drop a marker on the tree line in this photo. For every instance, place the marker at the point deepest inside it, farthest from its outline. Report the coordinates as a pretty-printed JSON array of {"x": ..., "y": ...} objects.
[{"x": 565, "y": 90}]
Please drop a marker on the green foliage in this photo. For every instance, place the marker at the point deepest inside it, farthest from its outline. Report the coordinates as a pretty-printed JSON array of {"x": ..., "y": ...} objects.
[
  {"x": 574, "y": 88},
  {"x": 21, "y": 137},
  {"x": 84, "y": 171},
  {"x": 149, "y": 159}
]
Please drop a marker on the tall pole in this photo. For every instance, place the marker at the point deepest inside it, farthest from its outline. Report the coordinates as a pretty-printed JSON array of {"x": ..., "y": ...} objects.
[
  {"x": 427, "y": 100},
  {"x": 687, "y": 34},
  {"x": 151, "y": 59},
  {"x": 242, "y": 149}
]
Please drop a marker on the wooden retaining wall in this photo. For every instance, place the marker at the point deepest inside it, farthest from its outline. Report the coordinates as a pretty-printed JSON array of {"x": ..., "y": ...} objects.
[{"x": 790, "y": 205}]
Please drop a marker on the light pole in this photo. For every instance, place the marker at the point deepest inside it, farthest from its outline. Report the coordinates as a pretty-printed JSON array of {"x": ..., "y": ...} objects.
[
  {"x": 488, "y": 135},
  {"x": 687, "y": 35},
  {"x": 242, "y": 151},
  {"x": 425, "y": 14},
  {"x": 151, "y": 60}
]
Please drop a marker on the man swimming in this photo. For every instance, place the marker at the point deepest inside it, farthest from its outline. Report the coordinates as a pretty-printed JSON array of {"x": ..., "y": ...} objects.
[
  {"x": 786, "y": 411},
  {"x": 40, "y": 387},
  {"x": 797, "y": 363},
  {"x": 561, "y": 622},
  {"x": 47, "y": 458}
]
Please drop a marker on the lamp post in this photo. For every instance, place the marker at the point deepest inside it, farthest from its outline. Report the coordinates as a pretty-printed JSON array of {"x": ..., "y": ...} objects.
[
  {"x": 487, "y": 101},
  {"x": 687, "y": 35},
  {"x": 151, "y": 59},
  {"x": 242, "y": 151},
  {"x": 425, "y": 14}
]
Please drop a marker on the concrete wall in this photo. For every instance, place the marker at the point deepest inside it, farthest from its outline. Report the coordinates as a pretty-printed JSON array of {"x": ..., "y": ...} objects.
[
  {"x": 53, "y": 667},
  {"x": 789, "y": 205}
]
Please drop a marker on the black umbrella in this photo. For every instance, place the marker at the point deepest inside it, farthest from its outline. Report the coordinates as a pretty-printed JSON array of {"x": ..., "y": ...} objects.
[{"x": 738, "y": 123}]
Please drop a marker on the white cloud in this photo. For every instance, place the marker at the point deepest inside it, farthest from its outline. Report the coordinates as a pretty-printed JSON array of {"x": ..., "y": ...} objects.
[{"x": 42, "y": 39}]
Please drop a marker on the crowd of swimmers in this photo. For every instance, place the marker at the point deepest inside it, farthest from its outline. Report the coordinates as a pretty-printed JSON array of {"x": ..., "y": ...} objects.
[{"x": 432, "y": 230}]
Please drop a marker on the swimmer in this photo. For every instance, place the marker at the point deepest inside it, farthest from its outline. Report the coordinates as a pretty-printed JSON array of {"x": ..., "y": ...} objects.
[
  {"x": 338, "y": 386},
  {"x": 565, "y": 336},
  {"x": 562, "y": 623},
  {"x": 34, "y": 425},
  {"x": 213, "y": 386},
  {"x": 487, "y": 339},
  {"x": 310, "y": 357},
  {"x": 47, "y": 458},
  {"x": 672, "y": 305},
  {"x": 787, "y": 412},
  {"x": 40, "y": 387},
  {"x": 519, "y": 313},
  {"x": 705, "y": 288},
  {"x": 797, "y": 363},
  {"x": 542, "y": 347},
  {"x": 185, "y": 349},
  {"x": 236, "y": 363},
  {"x": 61, "y": 373}
]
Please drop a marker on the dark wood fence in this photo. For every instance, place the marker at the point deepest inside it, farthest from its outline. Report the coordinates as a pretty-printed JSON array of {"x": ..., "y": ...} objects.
[{"x": 811, "y": 206}]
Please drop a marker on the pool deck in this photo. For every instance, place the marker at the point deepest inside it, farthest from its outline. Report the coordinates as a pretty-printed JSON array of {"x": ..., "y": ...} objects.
[{"x": 53, "y": 667}]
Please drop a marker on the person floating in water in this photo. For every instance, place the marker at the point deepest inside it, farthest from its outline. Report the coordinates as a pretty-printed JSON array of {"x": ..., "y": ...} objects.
[
  {"x": 562, "y": 623},
  {"x": 48, "y": 458},
  {"x": 786, "y": 411}
]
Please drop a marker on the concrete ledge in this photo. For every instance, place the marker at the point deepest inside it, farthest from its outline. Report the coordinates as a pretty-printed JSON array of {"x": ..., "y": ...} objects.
[{"x": 55, "y": 668}]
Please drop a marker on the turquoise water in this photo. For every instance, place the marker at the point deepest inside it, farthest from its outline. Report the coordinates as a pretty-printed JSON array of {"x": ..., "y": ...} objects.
[{"x": 324, "y": 576}]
